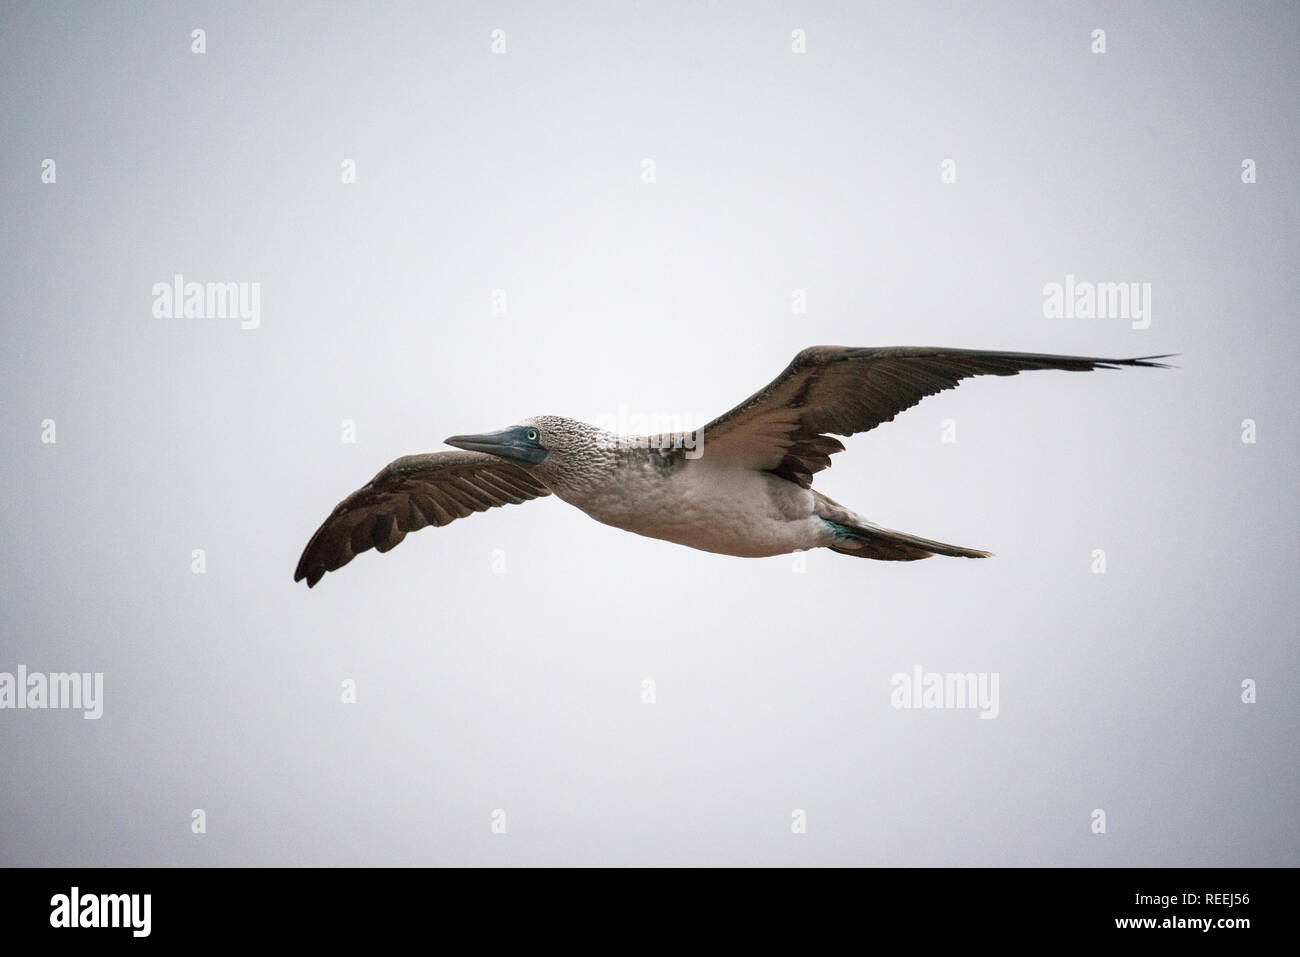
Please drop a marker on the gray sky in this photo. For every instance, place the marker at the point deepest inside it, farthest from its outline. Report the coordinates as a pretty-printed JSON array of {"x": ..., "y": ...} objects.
[{"x": 499, "y": 662}]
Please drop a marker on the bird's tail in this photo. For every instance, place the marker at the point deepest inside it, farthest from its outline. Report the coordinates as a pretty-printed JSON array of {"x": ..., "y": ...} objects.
[
  {"x": 885, "y": 544},
  {"x": 856, "y": 536}
]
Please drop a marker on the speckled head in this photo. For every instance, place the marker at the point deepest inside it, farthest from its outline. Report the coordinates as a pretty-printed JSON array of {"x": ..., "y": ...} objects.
[{"x": 555, "y": 448}]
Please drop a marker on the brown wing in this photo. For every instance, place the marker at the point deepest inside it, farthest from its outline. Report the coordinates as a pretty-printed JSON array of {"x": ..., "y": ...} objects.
[
  {"x": 844, "y": 390},
  {"x": 410, "y": 493}
]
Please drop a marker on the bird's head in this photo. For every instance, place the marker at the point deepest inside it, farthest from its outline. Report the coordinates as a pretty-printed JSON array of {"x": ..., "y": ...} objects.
[{"x": 551, "y": 446}]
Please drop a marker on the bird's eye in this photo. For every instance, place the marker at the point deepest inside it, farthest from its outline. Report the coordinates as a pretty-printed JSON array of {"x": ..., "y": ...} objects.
[{"x": 532, "y": 435}]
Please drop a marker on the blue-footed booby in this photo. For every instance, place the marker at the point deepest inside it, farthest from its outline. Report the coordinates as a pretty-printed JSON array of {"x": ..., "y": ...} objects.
[{"x": 741, "y": 485}]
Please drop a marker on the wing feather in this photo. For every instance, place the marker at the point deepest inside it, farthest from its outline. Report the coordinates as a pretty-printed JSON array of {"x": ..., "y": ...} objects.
[
  {"x": 411, "y": 493},
  {"x": 844, "y": 390}
]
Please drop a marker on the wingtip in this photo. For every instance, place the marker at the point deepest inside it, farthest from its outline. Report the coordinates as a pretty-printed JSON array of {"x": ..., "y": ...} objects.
[{"x": 1149, "y": 362}]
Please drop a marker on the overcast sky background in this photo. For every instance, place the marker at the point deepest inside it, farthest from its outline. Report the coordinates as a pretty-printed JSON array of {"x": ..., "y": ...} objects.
[{"x": 523, "y": 171}]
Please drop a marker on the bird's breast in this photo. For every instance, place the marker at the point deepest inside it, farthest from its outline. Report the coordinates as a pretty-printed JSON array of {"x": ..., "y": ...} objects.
[{"x": 733, "y": 511}]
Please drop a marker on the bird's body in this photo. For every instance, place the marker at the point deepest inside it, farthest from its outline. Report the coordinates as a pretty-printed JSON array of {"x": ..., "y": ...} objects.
[
  {"x": 740, "y": 486},
  {"x": 701, "y": 504}
]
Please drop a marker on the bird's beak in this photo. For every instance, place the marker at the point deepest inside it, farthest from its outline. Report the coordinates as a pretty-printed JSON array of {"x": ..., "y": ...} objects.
[{"x": 510, "y": 444}]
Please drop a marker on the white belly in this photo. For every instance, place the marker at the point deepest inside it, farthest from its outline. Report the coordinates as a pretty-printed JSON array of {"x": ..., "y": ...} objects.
[{"x": 712, "y": 508}]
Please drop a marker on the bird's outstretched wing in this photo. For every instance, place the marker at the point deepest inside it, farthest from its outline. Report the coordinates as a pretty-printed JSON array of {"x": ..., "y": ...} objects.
[
  {"x": 844, "y": 390},
  {"x": 410, "y": 493}
]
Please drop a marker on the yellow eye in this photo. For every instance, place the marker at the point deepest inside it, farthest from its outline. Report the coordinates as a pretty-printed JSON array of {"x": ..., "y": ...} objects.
[{"x": 532, "y": 435}]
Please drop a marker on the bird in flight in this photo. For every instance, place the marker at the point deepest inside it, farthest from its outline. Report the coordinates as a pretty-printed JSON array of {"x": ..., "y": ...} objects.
[{"x": 741, "y": 485}]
